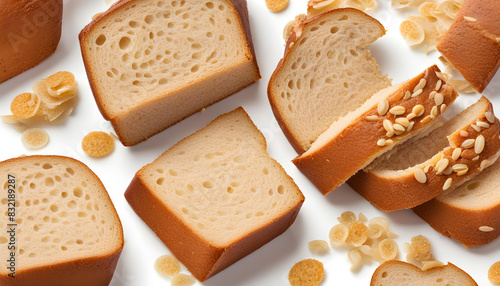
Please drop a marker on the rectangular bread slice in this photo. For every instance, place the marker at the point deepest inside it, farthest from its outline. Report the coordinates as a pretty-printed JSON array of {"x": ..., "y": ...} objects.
[
  {"x": 422, "y": 168},
  {"x": 151, "y": 63},
  {"x": 66, "y": 229},
  {"x": 387, "y": 119},
  {"x": 469, "y": 213},
  {"x": 216, "y": 195}
]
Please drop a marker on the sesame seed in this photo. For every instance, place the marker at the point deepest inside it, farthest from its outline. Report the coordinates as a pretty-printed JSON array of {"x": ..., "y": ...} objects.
[
  {"x": 432, "y": 94},
  {"x": 485, "y": 164},
  {"x": 498, "y": 39},
  {"x": 456, "y": 153},
  {"x": 388, "y": 125},
  {"x": 381, "y": 142},
  {"x": 463, "y": 172},
  {"x": 475, "y": 158},
  {"x": 440, "y": 76},
  {"x": 448, "y": 171},
  {"x": 410, "y": 126},
  {"x": 389, "y": 133},
  {"x": 407, "y": 95},
  {"x": 397, "y": 110},
  {"x": 482, "y": 124},
  {"x": 438, "y": 99},
  {"x": 398, "y": 127},
  {"x": 421, "y": 84},
  {"x": 469, "y": 143},
  {"x": 372, "y": 118},
  {"x": 420, "y": 175},
  {"x": 438, "y": 85},
  {"x": 426, "y": 169},
  {"x": 464, "y": 133},
  {"x": 443, "y": 107},
  {"x": 383, "y": 107},
  {"x": 447, "y": 184},
  {"x": 479, "y": 144},
  {"x": 403, "y": 121},
  {"x": 475, "y": 127},
  {"x": 490, "y": 116},
  {"x": 417, "y": 93},
  {"x": 410, "y": 116},
  {"x": 441, "y": 166},
  {"x": 434, "y": 111},
  {"x": 459, "y": 167},
  {"x": 426, "y": 119},
  {"x": 486, "y": 228},
  {"x": 470, "y": 19},
  {"x": 389, "y": 142},
  {"x": 418, "y": 110}
]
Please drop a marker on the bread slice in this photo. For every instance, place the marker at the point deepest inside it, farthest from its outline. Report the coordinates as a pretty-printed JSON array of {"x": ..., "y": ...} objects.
[
  {"x": 67, "y": 231},
  {"x": 356, "y": 139},
  {"x": 326, "y": 72},
  {"x": 31, "y": 30},
  {"x": 472, "y": 43},
  {"x": 151, "y": 63},
  {"x": 390, "y": 182},
  {"x": 397, "y": 273},
  {"x": 468, "y": 213},
  {"x": 216, "y": 195}
]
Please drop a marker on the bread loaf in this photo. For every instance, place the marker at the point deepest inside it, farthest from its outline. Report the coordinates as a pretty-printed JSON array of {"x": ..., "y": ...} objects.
[
  {"x": 326, "y": 72},
  {"x": 472, "y": 43},
  {"x": 388, "y": 118},
  {"x": 216, "y": 195},
  {"x": 30, "y": 32},
  {"x": 66, "y": 230},
  {"x": 151, "y": 63},
  {"x": 422, "y": 168}
]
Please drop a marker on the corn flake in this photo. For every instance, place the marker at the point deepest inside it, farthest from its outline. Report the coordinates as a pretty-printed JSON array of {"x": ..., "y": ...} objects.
[{"x": 308, "y": 272}]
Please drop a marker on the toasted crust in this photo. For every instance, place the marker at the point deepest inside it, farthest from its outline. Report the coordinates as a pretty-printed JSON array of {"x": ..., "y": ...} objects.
[
  {"x": 395, "y": 190},
  {"x": 294, "y": 36},
  {"x": 473, "y": 47},
  {"x": 31, "y": 30},
  {"x": 96, "y": 270},
  {"x": 355, "y": 146}
]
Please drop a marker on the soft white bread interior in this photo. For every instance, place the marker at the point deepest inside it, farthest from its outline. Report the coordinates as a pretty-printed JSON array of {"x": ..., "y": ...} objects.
[
  {"x": 422, "y": 168},
  {"x": 472, "y": 43},
  {"x": 67, "y": 229},
  {"x": 216, "y": 195},
  {"x": 398, "y": 273},
  {"x": 151, "y": 63},
  {"x": 468, "y": 213},
  {"x": 326, "y": 72},
  {"x": 388, "y": 118}
]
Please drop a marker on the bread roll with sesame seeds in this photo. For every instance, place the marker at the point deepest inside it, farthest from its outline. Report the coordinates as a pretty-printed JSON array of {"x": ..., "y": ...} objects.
[
  {"x": 422, "y": 168},
  {"x": 388, "y": 118}
]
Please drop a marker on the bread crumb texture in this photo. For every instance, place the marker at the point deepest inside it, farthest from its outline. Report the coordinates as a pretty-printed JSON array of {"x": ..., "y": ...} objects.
[
  {"x": 35, "y": 138},
  {"x": 98, "y": 143},
  {"x": 494, "y": 273},
  {"x": 308, "y": 272},
  {"x": 167, "y": 265}
]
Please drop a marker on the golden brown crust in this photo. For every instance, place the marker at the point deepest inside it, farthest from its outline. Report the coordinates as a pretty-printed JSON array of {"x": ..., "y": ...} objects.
[
  {"x": 342, "y": 156},
  {"x": 96, "y": 270},
  {"x": 294, "y": 36},
  {"x": 403, "y": 192},
  {"x": 473, "y": 47},
  {"x": 31, "y": 30}
]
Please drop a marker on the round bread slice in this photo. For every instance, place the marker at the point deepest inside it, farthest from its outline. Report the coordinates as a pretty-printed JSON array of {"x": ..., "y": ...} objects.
[
  {"x": 62, "y": 227},
  {"x": 326, "y": 72},
  {"x": 397, "y": 273},
  {"x": 422, "y": 168}
]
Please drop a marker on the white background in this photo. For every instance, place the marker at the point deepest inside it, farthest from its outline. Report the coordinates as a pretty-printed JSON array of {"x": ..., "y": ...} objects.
[{"x": 270, "y": 264}]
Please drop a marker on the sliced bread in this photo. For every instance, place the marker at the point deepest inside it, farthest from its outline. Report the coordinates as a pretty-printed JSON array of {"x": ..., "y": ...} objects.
[
  {"x": 151, "y": 63},
  {"x": 61, "y": 221},
  {"x": 326, "y": 72},
  {"x": 388, "y": 118},
  {"x": 398, "y": 273},
  {"x": 469, "y": 213},
  {"x": 216, "y": 195},
  {"x": 422, "y": 168},
  {"x": 472, "y": 43}
]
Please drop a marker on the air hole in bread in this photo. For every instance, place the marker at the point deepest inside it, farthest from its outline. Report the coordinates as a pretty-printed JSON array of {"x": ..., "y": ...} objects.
[
  {"x": 125, "y": 43},
  {"x": 210, "y": 5},
  {"x": 344, "y": 17},
  {"x": 33, "y": 186},
  {"x": 385, "y": 274},
  {"x": 222, "y": 38},
  {"x": 149, "y": 19},
  {"x": 208, "y": 184},
  {"x": 473, "y": 186},
  {"x": 78, "y": 192},
  {"x": 54, "y": 208},
  {"x": 3, "y": 240},
  {"x": 334, "y": 30},
  {"x": 281, "y": 189},
  {"x": 100, "y": 40},
  {"x": 195, "y": 68},
  {"x": 47, "y": 166},
  {"x": 314, "y": 29},
  {"x": 160, "y": 181}
]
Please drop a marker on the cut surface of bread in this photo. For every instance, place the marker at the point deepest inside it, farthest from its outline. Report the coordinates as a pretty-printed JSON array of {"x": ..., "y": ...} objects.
[
  {"x": 216, "y": 195},
  {"x": 151, "y": 63},
  {"x": 472, "y": 43},
  {"x": 388, "y": 118},
  {"x": 422, "y": 168},
  {"x": 398, "y": 273},
  {"x": 67, "y": 229},
  {"x": 326, "y": 71},
  {"x": 469, "y": 213},
  {"x": 31, "y": 30}
]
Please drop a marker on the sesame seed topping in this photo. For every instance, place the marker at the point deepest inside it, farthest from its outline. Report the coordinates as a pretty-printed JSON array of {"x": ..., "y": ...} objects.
[
  {"x": 388, "y": 125},
  {"x": 469, "y": 143},
  {"x": 464, "y": 133},
  {"x": 438, "y": 85},
  {"x": 426, "y": 119},
  {"x": 463, "y": 172},
  {"x": 441, "y": 166},
  {"x": 479, "y": 144},
  {"x": 381, "y": 142},
  {"x": 447, "y": 184},
  {"x": 420, "y": 175},
  {"x": 417, "y": 93},
  {"x": 475, "y": 127},
  {"x": 434, "y": 111},
  {"x": 443, "y": 107},
  {"x": 389, "y": 133},
  {"x": 383, "y": 107},
  {"x": 403, "y": 121},
  {"x": 459, "y": 167},
  {"x": 421, "y": 84},
  {"x": 398, "y": 127},
  {"x": 426, "y": 169},
  {"x": 448, "y": 171},
  {"x": 410, "y": 126},
  {"x": 440, "y": 76},
  {"x": 490, "y": 116},
  {"x": 372, "y": 118},
  {"x": 432, "y": 94},
  {"x": 486, "y": 228},
  {"x": 456, "y": 153},
  {"x": 418, "y": 110},
  {"x": 482, "y": 124},
  {"x": 475, "y": 158},
  {"x": 389, "y": 142},
  {"x": 407, "y": 95},
  {"x": 397, "y": 110},
  {"x": 438, "y": 98},
  {"x": 470, "y": 19},
  {"x": 410, "y": 116},
  {"x": 485, "y": 164}
]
